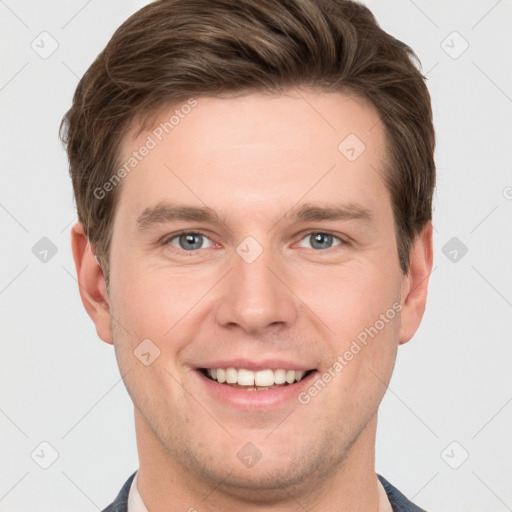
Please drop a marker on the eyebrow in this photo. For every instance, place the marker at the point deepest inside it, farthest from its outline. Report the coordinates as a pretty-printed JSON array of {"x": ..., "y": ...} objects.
[
  {"x": 168, "y": 213},
  {"x": 308, "y": 212}
]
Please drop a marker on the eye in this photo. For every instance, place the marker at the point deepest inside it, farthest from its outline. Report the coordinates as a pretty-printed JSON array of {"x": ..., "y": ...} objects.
[
  {"x": 190, "y": 241},
  {"x": 320, "y": 240}
]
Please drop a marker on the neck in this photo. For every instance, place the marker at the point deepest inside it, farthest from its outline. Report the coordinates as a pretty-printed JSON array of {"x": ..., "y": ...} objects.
[{"x": 351, "y": 485}]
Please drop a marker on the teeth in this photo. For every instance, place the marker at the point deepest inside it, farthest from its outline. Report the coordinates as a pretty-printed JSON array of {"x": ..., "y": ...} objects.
[
  {"x": 231, "y": 376},
  {"x": 264, "y": 378},
  {"x": 245, "y": 377},
  {"x": 260, "y": 379},
  {"x": 280, "y": 376}
]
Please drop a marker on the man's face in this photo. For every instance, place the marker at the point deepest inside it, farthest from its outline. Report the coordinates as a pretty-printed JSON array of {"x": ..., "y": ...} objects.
[{"x": 268, "y": 281}]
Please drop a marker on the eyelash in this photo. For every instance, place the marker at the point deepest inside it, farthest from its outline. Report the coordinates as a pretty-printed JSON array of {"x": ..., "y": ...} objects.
[{"x": 168, "y": 239}]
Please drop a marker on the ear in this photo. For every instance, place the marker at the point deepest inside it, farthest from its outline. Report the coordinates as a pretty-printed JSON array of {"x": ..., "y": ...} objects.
[
  {"x": 415, "y": 284},
  {"x": 91, "y": 283}
]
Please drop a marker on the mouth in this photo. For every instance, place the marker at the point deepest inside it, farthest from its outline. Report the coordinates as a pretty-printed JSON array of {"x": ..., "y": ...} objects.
[{"x": 260, "y": 380}]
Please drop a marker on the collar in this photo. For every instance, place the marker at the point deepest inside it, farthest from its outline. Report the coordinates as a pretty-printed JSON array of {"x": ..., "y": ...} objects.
[
  {"x": 135, "y": 503},
  {"x": 395, "y": 501}
]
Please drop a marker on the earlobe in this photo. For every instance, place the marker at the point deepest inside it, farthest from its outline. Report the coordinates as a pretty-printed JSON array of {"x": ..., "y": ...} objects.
[
  {"x": 91, "y": 283},
  {"x": 415, "y": 284}
]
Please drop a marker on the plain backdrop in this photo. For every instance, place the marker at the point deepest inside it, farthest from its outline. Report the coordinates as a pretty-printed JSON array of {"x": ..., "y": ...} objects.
[{"x": 445, "y": 422}]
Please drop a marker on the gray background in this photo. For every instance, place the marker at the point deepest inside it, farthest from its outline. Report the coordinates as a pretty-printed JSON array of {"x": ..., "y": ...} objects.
[{"x": 450, "y": 396}]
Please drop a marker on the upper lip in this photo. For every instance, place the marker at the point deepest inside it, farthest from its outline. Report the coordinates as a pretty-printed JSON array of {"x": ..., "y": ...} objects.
[{"x": 266, "y": 364}]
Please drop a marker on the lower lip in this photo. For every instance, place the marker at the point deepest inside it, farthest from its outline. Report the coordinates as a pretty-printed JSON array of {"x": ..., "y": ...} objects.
[{"x": 256, "y": 400}]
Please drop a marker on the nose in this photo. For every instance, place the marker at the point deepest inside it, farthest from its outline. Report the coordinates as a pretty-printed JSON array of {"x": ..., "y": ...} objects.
[{"x": 255, "y": 295}]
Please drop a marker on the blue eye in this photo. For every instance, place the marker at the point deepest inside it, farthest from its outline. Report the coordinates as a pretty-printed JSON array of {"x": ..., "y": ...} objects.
[
  {"x": 321, "y": 240},
  {"x": 192, "y": 241},
  {"x": 189, "y": 241}
]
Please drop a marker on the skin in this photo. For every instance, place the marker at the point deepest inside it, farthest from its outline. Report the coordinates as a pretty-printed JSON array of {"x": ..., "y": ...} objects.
[{"x": 255, "y": 160}]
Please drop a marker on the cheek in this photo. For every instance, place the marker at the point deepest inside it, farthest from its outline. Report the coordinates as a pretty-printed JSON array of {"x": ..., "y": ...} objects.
[
  {"x": 352, "y": 298},
  {"x": 151, "y": 301}
]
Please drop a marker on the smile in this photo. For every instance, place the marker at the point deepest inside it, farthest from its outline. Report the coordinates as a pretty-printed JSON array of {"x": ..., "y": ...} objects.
[{"x": 260, "y": 380}]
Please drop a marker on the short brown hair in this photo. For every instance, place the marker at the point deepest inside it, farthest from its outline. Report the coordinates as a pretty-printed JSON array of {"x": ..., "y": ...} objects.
[{"x": 172, "y": 50}]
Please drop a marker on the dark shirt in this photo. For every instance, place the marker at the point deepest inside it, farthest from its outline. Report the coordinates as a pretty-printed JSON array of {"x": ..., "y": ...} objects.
[{"x": 398, "y": 501}]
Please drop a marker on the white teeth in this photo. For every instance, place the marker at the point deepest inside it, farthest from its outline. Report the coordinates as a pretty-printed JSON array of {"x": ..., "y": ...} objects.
[
  {"x": 279, "y": 376},
  {"x": 245, "y": 377},
  {"x": 231, "y": 376},
  {"x": 260, "y": 379},
  {"x": 263, "y": 378},
  {"x": 290, "y": 376}
]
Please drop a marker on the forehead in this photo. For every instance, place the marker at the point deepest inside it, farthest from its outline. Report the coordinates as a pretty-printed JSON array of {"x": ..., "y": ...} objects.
[{"x": 261, "y": 149}]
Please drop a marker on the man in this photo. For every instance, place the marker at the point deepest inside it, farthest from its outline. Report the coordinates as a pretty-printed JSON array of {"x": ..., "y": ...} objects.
[{"x": 254, "y": 184}]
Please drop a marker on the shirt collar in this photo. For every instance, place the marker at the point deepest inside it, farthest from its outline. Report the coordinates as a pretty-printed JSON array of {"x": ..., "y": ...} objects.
[{"x": 135, "y": 503}]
